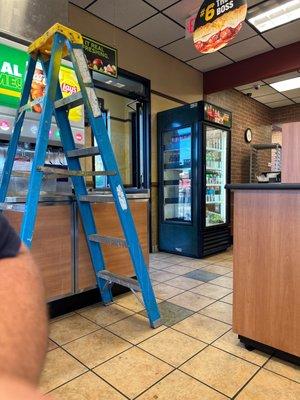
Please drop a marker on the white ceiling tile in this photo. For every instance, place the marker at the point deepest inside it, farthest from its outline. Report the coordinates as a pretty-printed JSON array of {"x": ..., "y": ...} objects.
[
  {"x": 183, "y": 9},
  {"x": 209, "y": 62},
  {"x": 245, "y": 33},
  {"x": 249, "y": 85},
  {"x": 283, "y": 77},
  {"x": 253, "y": 2},
  {"x": 270, "y": 98},
  {"x": 247, "y": 48},
  {"x": 284, "y": 35},
  {"x": 297, "y": 100},
  {"x": 123, "y": 14},
  {"x": 261, "y": 91},
  {"x": 280, "y": 103},
  {"x": 81, "y": 3},
  {"x": 292, "y": 94},
  {"x": 161, "y": 4},
  {"x": 158, "y": 31},
  {"x": 183, "y": 49}
]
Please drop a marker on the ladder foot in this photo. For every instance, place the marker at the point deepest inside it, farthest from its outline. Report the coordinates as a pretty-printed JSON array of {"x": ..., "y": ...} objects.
[{"x": 156, "y": 324}]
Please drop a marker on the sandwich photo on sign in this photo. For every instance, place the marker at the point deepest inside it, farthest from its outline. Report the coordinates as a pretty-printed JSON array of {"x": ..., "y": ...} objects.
[{"x": 217, "y": 23}]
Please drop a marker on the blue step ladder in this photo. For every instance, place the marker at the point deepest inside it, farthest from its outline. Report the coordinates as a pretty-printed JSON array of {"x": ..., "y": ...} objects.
[{"x": 49, "y": 49}]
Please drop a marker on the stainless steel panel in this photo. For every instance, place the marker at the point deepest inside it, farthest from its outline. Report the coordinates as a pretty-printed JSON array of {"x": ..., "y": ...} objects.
[{"x": 29, "y": 19}]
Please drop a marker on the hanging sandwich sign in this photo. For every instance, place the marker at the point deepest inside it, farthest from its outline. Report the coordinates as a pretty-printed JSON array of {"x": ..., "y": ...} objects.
[{"x": 217, "y": 23}]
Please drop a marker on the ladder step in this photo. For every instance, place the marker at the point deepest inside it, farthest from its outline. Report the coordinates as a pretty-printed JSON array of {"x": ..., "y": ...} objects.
[
  {"x": 112, "y": 241},
  {"x": 92, "y": 198},
  {"x": 119, "y": 279},
  {"x": 69, "y": 102},
  {"x": 63, "y": 172},
  {"x": 28, "y": 106},
  {"x": 12, "y": 207},
  {"x": 87, "y": 152}
]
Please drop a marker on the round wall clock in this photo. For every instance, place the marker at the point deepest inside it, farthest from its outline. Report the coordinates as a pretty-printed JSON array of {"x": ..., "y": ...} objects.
[{"x": 248, "y": 135}]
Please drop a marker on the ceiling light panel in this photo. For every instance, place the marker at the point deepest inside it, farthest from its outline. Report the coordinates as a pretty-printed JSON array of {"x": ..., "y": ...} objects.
[
  {"x": 288, "y": 84},
  {"x": 271, "y": 14}
]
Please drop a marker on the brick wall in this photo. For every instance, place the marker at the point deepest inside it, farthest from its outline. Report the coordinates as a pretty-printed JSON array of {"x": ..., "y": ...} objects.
[
  {"x": 246, "y": 113},
  {"x": 286, "y": 114}
]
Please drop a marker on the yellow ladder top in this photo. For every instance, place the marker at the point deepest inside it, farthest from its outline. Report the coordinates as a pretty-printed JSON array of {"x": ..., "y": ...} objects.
[{"x": 43, "y": 44}]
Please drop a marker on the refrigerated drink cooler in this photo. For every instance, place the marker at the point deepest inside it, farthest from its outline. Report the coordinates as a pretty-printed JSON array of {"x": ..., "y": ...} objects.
[{"x": 194, "y": 162}]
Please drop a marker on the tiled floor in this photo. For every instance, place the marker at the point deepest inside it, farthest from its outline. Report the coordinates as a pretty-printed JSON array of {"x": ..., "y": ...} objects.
[{"x": 110, "y": 353}]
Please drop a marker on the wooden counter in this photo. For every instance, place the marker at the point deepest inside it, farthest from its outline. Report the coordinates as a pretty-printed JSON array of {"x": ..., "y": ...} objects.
[
  {"x": 52, "y": 247},
  {"x": 59, "y": 246},
  {"x": 117, "y": 259},
  {"x": 266, "y": 265}
]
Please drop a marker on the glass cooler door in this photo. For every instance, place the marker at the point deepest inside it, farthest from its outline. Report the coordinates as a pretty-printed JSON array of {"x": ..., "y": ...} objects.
[
  {"x": 216, "y": 176},
  {"x": 177, "y": 174}
]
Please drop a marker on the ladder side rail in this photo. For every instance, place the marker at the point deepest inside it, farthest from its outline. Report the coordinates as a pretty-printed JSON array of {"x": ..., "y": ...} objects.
[
  {"x": 35, "y": 181},
  {"x": 13, "y": 144},
  {"x": 116, "y": 186},
  {"x": 85, "y": 209}
]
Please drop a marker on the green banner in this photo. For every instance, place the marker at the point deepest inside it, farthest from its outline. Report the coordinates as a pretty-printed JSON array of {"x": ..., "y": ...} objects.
[{"x": 12, "y": 73}]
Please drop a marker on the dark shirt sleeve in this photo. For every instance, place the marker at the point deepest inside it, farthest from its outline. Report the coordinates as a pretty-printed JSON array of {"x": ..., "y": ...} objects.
[{"x": 9, "y": 240}]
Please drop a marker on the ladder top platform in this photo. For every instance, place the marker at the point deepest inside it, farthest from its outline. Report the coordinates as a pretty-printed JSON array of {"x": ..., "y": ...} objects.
[{"x": 43, "y": 44}]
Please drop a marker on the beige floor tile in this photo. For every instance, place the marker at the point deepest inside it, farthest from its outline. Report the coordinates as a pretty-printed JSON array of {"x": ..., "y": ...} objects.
[
  {"x": 230, "y": 275},
  {"x": 226, "y": 263},
  {"x": 215, "y": 258},
  {"x": 220, "y": 370},
  {"x": 87, "y": 387},
  {"x": 160, "y": 256},
  {"x": 220, "y": 311},
  {"x": 59, "y": 368},
  {"x": 179, "y": 386},
  {"x": 223, "y": 281},
  {"x": 191, "y": 301},
  {"x": 184, "y": 283},
  {"x": 71, "y": 328},
  {"x": 133, "y": 371},
  {"x": 164, "y": 292},
  {"x": 129, "y": 300},
  {"x": 212, "y": 291},
  {"x": 178, "y": 269},
  {"x": 134, "y": 329},
  {"x": 61, "y": 317},
  {"x": 231, "y": 343},
  {"x": 228, "y": 299},
  {"x": 269, "y": 386},
  {"x": 172, "y": 347},
  {"x": 202, "y": 328},
  {"x": 160, "y": 264},
  {"x": 193, "y": 263},
  {"x": 51, "y": 345},
  {"x": 217, "y": 269},
  {"x": 162, "y": 276},
  {"x": 105, "y": 315},
  {"x": 281, "y": 367},
  {"x": 96, "y": 347}
]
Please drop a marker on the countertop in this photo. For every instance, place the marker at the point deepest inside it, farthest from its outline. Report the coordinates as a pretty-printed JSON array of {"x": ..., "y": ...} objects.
[
  {"x": 131, "y": 194},
  {"x": 263, "y": 186}
]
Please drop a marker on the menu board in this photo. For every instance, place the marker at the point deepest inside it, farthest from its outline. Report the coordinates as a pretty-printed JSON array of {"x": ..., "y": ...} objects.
[
  {"x": 217, "y": 23},
  {"x": 101, "y": 58},
  {"x": 13, "y": 64},
  {"x": 217, "y": 115}
]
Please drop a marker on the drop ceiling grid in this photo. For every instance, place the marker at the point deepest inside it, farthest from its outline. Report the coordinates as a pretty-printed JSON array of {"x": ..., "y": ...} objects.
[{"x": 171, "y": 14}]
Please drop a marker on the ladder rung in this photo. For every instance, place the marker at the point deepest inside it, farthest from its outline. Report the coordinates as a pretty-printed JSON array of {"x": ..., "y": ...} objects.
[
  {"x": 63, "y": 172},
  {"x": 32, "y": 103},
  {"x": 111, "y": 241},
  {"x": 119, "y": 279},
  {"x": 92, "y": 198},
  {"x": 12, "y": 207},
  {"x": 87, "y": 152},
  {"x": 69, "y": 102}
]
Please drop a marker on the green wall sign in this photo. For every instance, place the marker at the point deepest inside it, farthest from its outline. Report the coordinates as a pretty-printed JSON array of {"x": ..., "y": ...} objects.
[{"x": 13, "y": 64}]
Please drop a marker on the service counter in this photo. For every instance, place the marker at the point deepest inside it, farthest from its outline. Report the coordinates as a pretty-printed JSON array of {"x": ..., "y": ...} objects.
[
  {"x": 59, "y": 247},
  {"x": 266, "y": 265}
]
